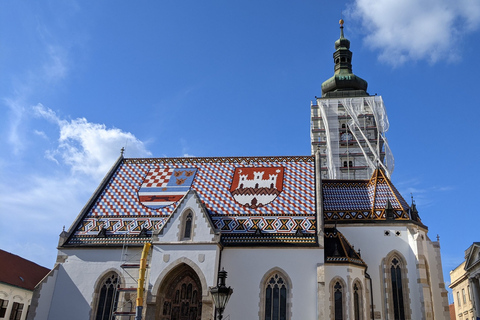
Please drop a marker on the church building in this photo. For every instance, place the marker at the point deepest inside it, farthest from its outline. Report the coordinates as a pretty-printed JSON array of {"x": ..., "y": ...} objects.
[{"x": 323, "y": 236}]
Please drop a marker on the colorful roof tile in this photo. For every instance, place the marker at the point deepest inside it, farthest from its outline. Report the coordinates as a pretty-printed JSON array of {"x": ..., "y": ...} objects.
[
  {"x": 345, "y": 200},
  {"x": 241, "y": 195},
  {"x": 339, "y": 250}
]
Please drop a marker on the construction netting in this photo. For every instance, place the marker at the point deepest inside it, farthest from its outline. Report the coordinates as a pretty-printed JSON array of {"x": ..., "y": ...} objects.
[{"x": 352, "y": 128}]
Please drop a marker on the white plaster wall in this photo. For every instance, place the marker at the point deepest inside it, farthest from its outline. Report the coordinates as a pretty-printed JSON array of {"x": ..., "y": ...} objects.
[
  {"x": 247, "y": 266},
  {"x": 15, "y": 294},
  {"x": 201, "y": 228},
  {"x": 165, "y": 257},
  {"x": 348, "y": 273},
  {"x": 77, "y": 277},
  {"x": 44, "y": 293},
  {"x": 375, "y": 246}
]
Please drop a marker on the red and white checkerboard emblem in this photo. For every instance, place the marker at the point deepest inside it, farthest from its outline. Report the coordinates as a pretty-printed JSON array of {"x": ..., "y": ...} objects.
[{"x": 165, "y": 186}]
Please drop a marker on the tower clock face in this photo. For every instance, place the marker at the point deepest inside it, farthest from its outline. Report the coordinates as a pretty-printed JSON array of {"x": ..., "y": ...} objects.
[{"x": 346, "y": 136}]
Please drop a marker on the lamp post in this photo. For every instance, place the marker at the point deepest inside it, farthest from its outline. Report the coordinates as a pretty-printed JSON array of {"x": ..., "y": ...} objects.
[{"x": 221, "y": 294}]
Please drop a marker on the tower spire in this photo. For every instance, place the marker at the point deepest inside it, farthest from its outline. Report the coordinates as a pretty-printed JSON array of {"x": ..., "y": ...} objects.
[{"x": 343, "y": 82}]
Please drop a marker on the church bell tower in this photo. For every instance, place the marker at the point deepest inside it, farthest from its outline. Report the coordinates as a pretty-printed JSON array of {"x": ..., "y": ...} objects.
[{"x": 347, "y": 124}]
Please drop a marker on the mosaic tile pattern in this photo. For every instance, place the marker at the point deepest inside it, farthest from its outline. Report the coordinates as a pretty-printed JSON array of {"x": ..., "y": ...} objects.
[
  {"x": 362, "y": 199},
  {"x": 119, "y": 211}
]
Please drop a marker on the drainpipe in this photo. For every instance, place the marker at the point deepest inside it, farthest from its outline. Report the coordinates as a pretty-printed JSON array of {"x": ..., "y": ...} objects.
[
  {"x": 371, "y": 292},
  {"x": 218, "y": 269},
  {"x": 141, "y": 280}
]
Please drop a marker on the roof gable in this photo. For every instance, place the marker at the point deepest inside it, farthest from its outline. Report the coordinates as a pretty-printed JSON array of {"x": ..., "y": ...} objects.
[
  {"x": 472, "y": 256},
  {"x": 202, "y": 228},
  {"x": 362, "y": 199}
]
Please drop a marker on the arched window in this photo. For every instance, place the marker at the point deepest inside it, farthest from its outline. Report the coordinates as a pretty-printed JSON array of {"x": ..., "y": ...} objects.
[
  {"x": 397, "y": 290},
  {"x": 357, "y": 302},
  {"x": 107, "y": 297},
  {"x": 187, "y": 234},
  {"x": 275, "y": 300},
  {"x": 338, "y": 301}
]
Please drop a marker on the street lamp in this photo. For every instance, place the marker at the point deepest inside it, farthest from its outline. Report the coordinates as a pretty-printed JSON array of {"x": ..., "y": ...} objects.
[{"x": 221, "y": 293}]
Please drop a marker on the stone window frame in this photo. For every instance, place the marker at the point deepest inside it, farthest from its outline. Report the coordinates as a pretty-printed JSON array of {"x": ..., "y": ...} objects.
[
  {"x": 361, "y": 298},
  {"x": 183, "y": 224},
  {"x": 97, "y": 287},
  {"x": 345, "y": 303},
  {"x": 263, "y": 286},
  {"x": 387, "y": 261}
]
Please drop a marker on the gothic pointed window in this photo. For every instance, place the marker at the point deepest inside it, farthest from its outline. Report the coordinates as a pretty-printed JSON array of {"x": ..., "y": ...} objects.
[
  {"x": 187, "y": 230},
  {"x": 357, "y": 298},
  {"x": 276, "y": 298},
  {"x": 107, "y": 297},
  {"x": 338, "y": 301},
  {"x": 397, "y": 290}
]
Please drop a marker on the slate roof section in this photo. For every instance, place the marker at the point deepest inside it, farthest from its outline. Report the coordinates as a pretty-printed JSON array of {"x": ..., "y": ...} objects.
[
  {"x": 357, "y": 200},
  {"x": 339, "y": 250},
  {"x": 20, "y": 272},
  {"x": 117, "y": 210}
]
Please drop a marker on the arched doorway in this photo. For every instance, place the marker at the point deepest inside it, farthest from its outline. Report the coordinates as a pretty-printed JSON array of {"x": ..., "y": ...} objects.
[{"x": 180, "y": 295}]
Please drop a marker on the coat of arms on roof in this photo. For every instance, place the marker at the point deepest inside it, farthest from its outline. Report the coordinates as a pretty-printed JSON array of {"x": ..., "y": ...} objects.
[
  {"x": 256, "y": 186},
  {"x": 165, "y": 186}
]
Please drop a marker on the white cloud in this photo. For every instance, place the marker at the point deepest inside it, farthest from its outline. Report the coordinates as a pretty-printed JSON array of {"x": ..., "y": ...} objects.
[
  {"x": 90, "y": 148},
  {"x": 44, "y": 201},
  {"x": 411, "y": 30}
]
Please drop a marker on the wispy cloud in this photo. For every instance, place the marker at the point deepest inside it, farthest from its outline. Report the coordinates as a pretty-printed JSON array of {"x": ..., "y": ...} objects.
[
  {"x": 424, "y": 196},
  {"x": 89, "y": 148},
  {"x": 47, "y": 199},
  {"x": 411, "y": 30}
]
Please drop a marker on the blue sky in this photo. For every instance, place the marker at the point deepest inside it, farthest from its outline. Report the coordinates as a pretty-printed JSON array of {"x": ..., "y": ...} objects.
[{"x": 81, "y": 79}]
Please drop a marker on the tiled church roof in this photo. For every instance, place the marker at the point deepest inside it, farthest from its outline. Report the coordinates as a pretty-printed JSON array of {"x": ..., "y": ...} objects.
[
  {"x": 120, "y": 210},
  {"x": 276, "y": 207},
  {"x": 345, "y": 200},
  {"x": 339, "y": 250}
]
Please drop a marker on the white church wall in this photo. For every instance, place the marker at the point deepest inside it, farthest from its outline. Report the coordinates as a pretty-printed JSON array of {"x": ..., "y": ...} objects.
[
  {"x": 77, "y": 278},
  {"x": 347, "y": 275},
  {"x": 247, "y": 267},
  {"x": 165, "y": 257},
  {"x": 376, "y": 243},
  {"x": 42, "y": 296},
  {"x": 201, "y": 227}
]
